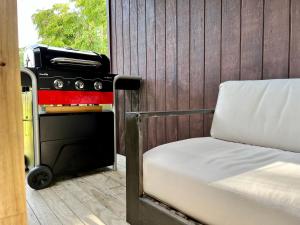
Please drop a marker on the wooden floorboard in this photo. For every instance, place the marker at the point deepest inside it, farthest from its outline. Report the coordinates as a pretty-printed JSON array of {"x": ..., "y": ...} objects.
[
  {"x": 32, "y": 219},
  {"x": 97, "y": 198},
  {"x": 40, "y": 208},
  {"x": 81, "y": 211}
]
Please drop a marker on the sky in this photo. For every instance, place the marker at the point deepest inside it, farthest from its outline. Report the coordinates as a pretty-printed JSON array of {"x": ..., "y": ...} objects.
[{"x": 27, "y": 31}]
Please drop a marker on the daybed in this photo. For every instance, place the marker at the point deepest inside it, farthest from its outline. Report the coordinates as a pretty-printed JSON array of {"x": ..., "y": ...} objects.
[{"x": 246, "y": 173}]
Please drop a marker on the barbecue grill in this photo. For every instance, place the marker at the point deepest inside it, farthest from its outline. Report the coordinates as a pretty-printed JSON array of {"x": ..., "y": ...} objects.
[{"x": 73, "y": 120}]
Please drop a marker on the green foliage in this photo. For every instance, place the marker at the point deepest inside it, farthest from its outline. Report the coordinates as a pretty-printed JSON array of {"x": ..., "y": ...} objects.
[
  {"x": 79, "y": 24},
  {"x": 21, "y": 56}
]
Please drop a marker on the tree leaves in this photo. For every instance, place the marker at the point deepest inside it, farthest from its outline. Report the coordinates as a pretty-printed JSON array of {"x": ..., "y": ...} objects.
[{"x": 79, "y": 24}]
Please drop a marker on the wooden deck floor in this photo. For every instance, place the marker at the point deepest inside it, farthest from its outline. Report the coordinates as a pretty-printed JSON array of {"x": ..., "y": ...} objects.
[{"x": 92, "y": 199}]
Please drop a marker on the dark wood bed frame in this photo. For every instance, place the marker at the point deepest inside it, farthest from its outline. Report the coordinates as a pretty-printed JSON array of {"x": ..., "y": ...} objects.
[{"x": 142, "y": 209}]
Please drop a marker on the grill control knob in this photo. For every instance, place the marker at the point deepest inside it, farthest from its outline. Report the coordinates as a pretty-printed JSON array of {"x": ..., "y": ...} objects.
[
  {"x": 98, "y": 85},
  {"x": 58, "y": 84},
  {"x": 79, "y": 85}
]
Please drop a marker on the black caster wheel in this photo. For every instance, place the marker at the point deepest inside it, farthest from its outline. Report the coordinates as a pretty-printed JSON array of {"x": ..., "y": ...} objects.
[{"x": 39, "y": 177}]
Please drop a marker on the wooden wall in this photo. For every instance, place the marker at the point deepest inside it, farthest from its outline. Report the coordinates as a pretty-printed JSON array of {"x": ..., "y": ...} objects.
[
  {"x": 183, "y": 49},
  {"x": 12, "y": 180}
]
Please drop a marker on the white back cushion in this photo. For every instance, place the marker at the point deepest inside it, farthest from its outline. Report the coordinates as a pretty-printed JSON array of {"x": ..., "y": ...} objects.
[{"x": 262, "y": 112}]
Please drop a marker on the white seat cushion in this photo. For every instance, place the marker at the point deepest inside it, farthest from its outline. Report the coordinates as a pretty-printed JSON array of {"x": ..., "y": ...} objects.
[
  {"x": 225, "y": 183},
  {"x": 261, "y": 112}
]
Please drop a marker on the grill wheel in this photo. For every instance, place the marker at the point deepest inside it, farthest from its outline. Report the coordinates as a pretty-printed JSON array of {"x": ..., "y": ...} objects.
[{"x": 40, "y": 177}]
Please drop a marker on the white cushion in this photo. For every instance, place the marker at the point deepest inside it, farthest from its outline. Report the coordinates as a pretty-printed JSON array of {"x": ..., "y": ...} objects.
[
  {"x": 225, "y": 183},
  {"x": 264, "y": 113}
]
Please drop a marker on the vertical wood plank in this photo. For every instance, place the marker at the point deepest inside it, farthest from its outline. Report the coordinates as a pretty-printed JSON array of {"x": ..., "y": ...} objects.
[
  {"x": 171, "y": 69},
  {"x": 160, "y": 81},
  {"x": 120, "y": 68},
  {"x": 134, "y": 49},
  {"x": 212, "y": 57},
  {"x": 230, "y": 63},
  {"x": 113, "y": 36},
  {"x": 276, "y": 39},
  {"x": 295, "y": 40},
  {"x": 114, "y": 57},
  {"x": 252, "y": 39},
  {"x": 126, "y": 37},
  {"x": 119, "y": 36},
  {"x": 12, "y": 188},
  {"x": 142, "y": 61},
  {"x": 133, "y": 38},
  {"x": 196, "y": 65},
  {"x": 150, "y": 31},
  {"x": 13, "y": 220},
  {"x": 127, "y": 50},
  {"x": 183, "y": 66}
]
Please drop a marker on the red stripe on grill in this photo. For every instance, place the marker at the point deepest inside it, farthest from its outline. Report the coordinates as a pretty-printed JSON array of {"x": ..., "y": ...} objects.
[{"x": 49, "y": 97}]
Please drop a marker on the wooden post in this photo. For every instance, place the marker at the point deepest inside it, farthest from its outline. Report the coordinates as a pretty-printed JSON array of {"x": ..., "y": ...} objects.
[{"x": 12, "y": 181}]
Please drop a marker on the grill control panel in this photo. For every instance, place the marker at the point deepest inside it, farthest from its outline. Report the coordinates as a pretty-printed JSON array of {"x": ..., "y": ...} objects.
[{"x": 52, "y": 80}]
